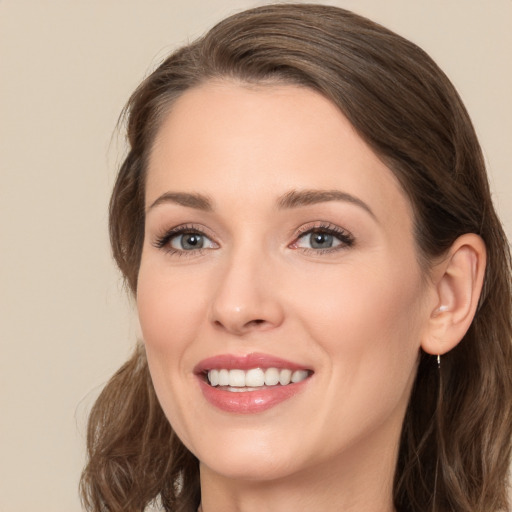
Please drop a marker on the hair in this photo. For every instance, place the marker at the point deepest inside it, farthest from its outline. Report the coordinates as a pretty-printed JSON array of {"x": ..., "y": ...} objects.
[{"x": 456, "y": 438}]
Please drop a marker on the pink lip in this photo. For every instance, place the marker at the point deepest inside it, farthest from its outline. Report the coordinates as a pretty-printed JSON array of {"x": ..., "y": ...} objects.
[
  {"x": 247, "y": 402},
  {"x": 245, "y": 362}
]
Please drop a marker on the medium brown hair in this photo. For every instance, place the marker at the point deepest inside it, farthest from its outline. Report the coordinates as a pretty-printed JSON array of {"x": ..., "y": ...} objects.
[{"x": 456, "y": 438}]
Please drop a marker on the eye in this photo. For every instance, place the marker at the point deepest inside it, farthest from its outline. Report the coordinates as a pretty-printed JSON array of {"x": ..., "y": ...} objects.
[
  {"x": 189, "y": 241},
  {"x": 184, "y": 239},
  {"x": 318, "y": 240},
  {"x": 321, "y": 238}
]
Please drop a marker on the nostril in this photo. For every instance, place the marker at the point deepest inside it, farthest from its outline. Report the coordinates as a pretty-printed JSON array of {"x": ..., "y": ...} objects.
[
  {"x": 242, "y": 327},
  {"x": 250, "y": 322},
  {"x": 255, "y": 322}
]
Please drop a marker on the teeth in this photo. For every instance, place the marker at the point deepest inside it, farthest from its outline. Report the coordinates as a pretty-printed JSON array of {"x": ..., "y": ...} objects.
[
  {"x": 213, "y": 377},
  {"x": 299, "y": 375},
  {"x": 255, "y": 377},
  {"x": 272, "y": 376},
  {"x": 285, "y": 377},
  {"x": 223, "y": 378},
  {"x": 237, "y": 378}
]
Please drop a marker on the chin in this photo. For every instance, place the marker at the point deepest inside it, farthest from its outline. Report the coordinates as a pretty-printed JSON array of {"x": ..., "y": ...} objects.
[
  {"x": 248, "y": 457},
  {"x": 252, "y": 469}
]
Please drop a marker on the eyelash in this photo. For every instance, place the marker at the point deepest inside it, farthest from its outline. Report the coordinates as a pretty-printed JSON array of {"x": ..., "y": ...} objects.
[
  {"x": 345, "y": 237},
  {"x": 163, "y": 241}
]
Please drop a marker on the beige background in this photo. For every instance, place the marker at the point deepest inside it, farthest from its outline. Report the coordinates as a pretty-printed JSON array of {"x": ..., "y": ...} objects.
[{"x": 66, "y": 69}]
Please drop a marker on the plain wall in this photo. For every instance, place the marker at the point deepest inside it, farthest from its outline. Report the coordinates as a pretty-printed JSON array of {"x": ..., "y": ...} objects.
[{"x": 67, "y": 68}]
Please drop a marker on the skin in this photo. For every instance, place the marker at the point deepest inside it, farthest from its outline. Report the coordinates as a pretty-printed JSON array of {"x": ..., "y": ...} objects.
[{"x": 356, "y": 315}]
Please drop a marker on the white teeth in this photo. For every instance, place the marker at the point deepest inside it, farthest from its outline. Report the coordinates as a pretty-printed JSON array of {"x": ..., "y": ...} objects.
[
  {"x": 237, "y": 378},
  {"x": 213, "y": 377},
  {"x": 299, "y": 375},
  {"x": 271, "y": 376},
  {"x": 285, "y": 377},
  {"x": 255, "y": 377},
  {"x": 223, "y": 378}
]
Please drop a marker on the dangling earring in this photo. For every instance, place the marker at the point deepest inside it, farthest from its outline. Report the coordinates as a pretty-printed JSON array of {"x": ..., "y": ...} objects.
[
  {"x": 440, "y": 391},
  {"x": 436, "y": 473}
]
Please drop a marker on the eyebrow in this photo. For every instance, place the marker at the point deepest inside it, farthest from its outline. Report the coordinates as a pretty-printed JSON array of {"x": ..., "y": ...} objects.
[
  {"x": 292, "y": 199},
  {"x": 298, "y": 198},
  {"x": 197, "y": 201}
]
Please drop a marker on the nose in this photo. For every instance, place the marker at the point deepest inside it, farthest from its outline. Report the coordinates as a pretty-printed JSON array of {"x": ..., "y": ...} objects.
[{"x": 247, "y": 295}]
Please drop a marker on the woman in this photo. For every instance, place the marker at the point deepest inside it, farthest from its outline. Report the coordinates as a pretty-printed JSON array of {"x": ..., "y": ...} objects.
[{"x": 322, "y": 282}]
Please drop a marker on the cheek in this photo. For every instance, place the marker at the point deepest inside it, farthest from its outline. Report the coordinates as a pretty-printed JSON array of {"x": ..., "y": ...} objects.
[
  {"x": 170, "y": 309},
  {"x": 369, "y": 329},
  {"x": 354, "y": 301},
  {"x": 170, "y": 314},
  {"x": 369, "y": 323}
]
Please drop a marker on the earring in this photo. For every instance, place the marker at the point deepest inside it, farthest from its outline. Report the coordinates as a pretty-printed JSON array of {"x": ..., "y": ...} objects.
[
  {"x": 441, "y": 309},
  {"x": 439, "y": 361}
]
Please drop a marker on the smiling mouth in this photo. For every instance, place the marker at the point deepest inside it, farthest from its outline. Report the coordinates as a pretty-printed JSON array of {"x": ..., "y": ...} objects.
[{"x": 254, "y": 379}]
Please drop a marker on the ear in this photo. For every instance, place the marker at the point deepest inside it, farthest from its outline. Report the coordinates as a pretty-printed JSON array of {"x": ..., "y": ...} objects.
[{"x": 458, "y": 281}]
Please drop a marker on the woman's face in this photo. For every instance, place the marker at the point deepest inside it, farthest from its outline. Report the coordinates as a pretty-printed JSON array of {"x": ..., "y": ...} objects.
[{"x": 277, "y": 246}]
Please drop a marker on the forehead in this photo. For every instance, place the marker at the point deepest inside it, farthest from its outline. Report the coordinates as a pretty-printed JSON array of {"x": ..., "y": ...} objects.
[{"x": 223, "y": 139}]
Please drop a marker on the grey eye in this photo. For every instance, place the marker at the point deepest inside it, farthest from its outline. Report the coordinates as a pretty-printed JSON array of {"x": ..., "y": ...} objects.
[
  {"x": 321, "y": 240},
  {"x": 318, "y": 240},
  {"x": 188, "y": 241}
]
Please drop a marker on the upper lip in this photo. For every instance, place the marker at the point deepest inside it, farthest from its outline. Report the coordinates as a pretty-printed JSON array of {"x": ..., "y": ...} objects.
[{"x": 246, "y": 362}]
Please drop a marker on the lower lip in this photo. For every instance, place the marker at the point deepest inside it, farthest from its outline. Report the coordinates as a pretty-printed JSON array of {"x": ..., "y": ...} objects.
[{"x": 249, "y": 402}]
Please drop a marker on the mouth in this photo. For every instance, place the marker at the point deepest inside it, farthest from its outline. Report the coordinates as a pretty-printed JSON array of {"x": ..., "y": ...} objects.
[
  {"x": 238, "y": 380},
  {"x": 250, "y": 383}
]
